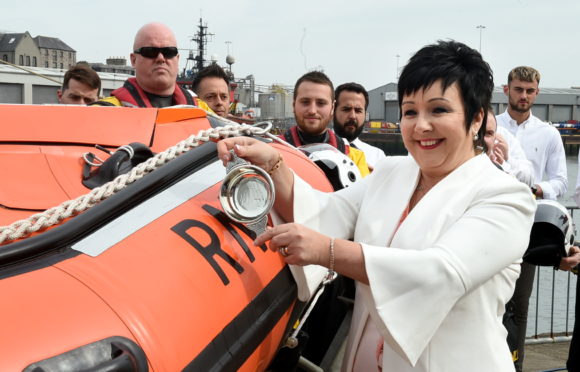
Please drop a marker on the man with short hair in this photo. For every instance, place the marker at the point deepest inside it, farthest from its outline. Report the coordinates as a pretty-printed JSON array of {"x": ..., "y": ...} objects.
[
  {"x": 543, "y": 147},
  {"x": 156, "y": 60},
  {"x": 211, "y": 85},
  {"x": 313, "y": 109},
  {"x": 81, "y": 86},
  {"x": 352, "y": 101},
  {"x": 313, "y": 106},
  {"x": 541, "y": 142}
]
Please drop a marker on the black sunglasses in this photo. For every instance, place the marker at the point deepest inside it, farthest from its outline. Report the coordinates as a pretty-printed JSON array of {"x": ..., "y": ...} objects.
[{"x": 153, "y": 52}]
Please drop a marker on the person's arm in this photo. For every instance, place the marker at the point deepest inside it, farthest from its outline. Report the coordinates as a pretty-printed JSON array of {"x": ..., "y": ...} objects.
[
  {"x": 517, "y": 163},
  {"x": 322, "y": 216},
  {"x": 269, "y": 159},
  {"x": 557, "y": 183},
  {"x": 304, "y": 246}
]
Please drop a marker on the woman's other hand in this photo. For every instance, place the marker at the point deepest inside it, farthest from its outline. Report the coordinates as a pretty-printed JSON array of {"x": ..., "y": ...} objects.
[{"x": 298, "y": 244}]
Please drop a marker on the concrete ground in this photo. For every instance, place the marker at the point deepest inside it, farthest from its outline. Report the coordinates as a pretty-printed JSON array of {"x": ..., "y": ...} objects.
[
  {"x": 542, "y": 357},
  {"x": 539, "y": 357}
]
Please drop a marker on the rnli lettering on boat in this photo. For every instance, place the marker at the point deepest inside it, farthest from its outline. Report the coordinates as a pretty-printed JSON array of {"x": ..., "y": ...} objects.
[
  {"x": 213, "y": 250},
  {"x": 196, "y": 232}
]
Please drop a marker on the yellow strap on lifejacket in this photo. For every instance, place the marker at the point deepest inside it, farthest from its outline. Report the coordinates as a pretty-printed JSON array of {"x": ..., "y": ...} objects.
[{"x": 358, "y": 157}]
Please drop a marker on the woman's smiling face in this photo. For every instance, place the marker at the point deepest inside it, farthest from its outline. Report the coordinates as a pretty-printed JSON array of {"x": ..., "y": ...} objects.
[{"x": 433, "y": 129}]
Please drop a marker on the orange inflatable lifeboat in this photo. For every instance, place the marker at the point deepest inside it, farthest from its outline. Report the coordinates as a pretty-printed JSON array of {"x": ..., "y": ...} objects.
[{"x": 155, "y": 277}]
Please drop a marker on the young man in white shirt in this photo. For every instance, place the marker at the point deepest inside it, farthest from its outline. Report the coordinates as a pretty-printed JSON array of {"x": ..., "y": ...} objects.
[
  {"x": 543, "y": 147},
  {"x": 541, "y": 142}
]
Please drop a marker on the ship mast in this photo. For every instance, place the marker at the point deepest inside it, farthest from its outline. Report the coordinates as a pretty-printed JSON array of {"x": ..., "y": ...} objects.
[{"x": 201, "y": 39}]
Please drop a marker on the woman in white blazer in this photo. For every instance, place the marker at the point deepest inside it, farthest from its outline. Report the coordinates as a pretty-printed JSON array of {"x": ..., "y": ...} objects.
[{"x": 434, "y": 240}]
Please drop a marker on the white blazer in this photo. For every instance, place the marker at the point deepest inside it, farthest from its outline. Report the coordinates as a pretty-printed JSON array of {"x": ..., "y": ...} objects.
[{"x": 438, "y": 283}]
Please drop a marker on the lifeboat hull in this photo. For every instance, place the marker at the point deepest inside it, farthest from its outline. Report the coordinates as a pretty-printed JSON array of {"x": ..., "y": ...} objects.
[{"x": 158, "y": 264}]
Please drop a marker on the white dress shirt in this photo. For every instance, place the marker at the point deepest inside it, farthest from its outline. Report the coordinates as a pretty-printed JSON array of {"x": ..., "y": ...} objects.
[
  {"x": 517, "y": 164},
  {"x": 372, "y": 153},
  {"x": 543, "y": 147}
]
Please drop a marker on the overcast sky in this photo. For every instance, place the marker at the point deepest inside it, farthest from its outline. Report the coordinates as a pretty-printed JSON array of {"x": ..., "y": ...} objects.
[{"x": 354, "y": 40}]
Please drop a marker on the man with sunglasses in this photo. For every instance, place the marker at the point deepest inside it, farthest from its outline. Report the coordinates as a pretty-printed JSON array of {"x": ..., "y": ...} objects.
[{"x": 156, "y": 60}]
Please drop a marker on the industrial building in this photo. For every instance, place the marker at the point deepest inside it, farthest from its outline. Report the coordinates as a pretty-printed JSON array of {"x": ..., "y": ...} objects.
[
  {"x": 552, "y": 104},
  {"x": 114, "y": 65},
  {"x": 275, "y": 105},
  {"x": 38, "y": 85}
]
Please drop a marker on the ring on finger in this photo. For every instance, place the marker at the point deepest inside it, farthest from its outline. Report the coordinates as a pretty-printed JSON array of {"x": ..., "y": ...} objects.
[{"x": 284, "y": 251}]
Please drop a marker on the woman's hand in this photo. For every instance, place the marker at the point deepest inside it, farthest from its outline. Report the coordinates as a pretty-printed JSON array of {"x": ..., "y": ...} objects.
[
  {"x": 249, "y": 149},
  {"x": 501, "y": 148},
  {"x": 298, "y": 244}
]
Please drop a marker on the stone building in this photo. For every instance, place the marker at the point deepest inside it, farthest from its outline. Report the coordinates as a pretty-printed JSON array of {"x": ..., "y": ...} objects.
[
  {"x": 41, "y": 51},
  {"x": 54, "y": 53}
]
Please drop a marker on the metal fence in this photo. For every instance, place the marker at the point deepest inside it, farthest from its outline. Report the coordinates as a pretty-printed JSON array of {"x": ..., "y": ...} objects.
[{"x": 551, "y": 311}]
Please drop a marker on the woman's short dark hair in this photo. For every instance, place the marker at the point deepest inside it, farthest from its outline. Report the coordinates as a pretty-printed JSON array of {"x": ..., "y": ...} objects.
[{"x": 451, "y": 62}]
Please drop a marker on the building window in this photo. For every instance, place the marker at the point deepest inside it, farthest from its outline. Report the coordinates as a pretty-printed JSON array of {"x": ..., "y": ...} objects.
[
  {"x": 61, "y": 66},
  {"x": 46, "y": 52},
  {"x": 27, "y": 60},
  {"x": 61, "y": 53},
  {"x": 21, "y": 60},
  {"x": 5, "y": 57},
  {"x": 46, "y": 64},
  {"x": 34, "y": 61},
  {"x": 53, "y": 64}
]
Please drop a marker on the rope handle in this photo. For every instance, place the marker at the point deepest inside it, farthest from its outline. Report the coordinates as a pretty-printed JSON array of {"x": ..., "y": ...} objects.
[{"x": 55, "y": 215}]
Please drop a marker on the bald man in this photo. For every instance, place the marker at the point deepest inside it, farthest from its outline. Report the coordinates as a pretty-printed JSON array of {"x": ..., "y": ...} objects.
[{"x": 156, "y": 60}]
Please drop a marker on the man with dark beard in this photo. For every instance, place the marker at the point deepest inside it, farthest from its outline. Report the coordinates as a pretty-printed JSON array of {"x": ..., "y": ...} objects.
[
  {"x": 543, "y": 147},
  {"x": 352, "y": 101}
]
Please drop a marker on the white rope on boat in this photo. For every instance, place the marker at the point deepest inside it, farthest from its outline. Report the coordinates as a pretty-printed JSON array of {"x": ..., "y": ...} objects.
[{"x": 70, "y": 208}]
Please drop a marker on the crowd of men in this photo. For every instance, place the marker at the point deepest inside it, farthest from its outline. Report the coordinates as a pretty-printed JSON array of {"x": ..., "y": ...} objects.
[{"x": 517, "y": 141}]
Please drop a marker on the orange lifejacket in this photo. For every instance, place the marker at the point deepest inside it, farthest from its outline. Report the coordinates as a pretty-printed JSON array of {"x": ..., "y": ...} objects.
[
  {"x": 131, "y": 94},
  {"x": 291, "y": 136}
]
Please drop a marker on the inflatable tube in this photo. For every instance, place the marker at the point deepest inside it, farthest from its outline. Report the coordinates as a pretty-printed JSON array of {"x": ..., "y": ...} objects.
[{"x": 155, "y": 273}]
